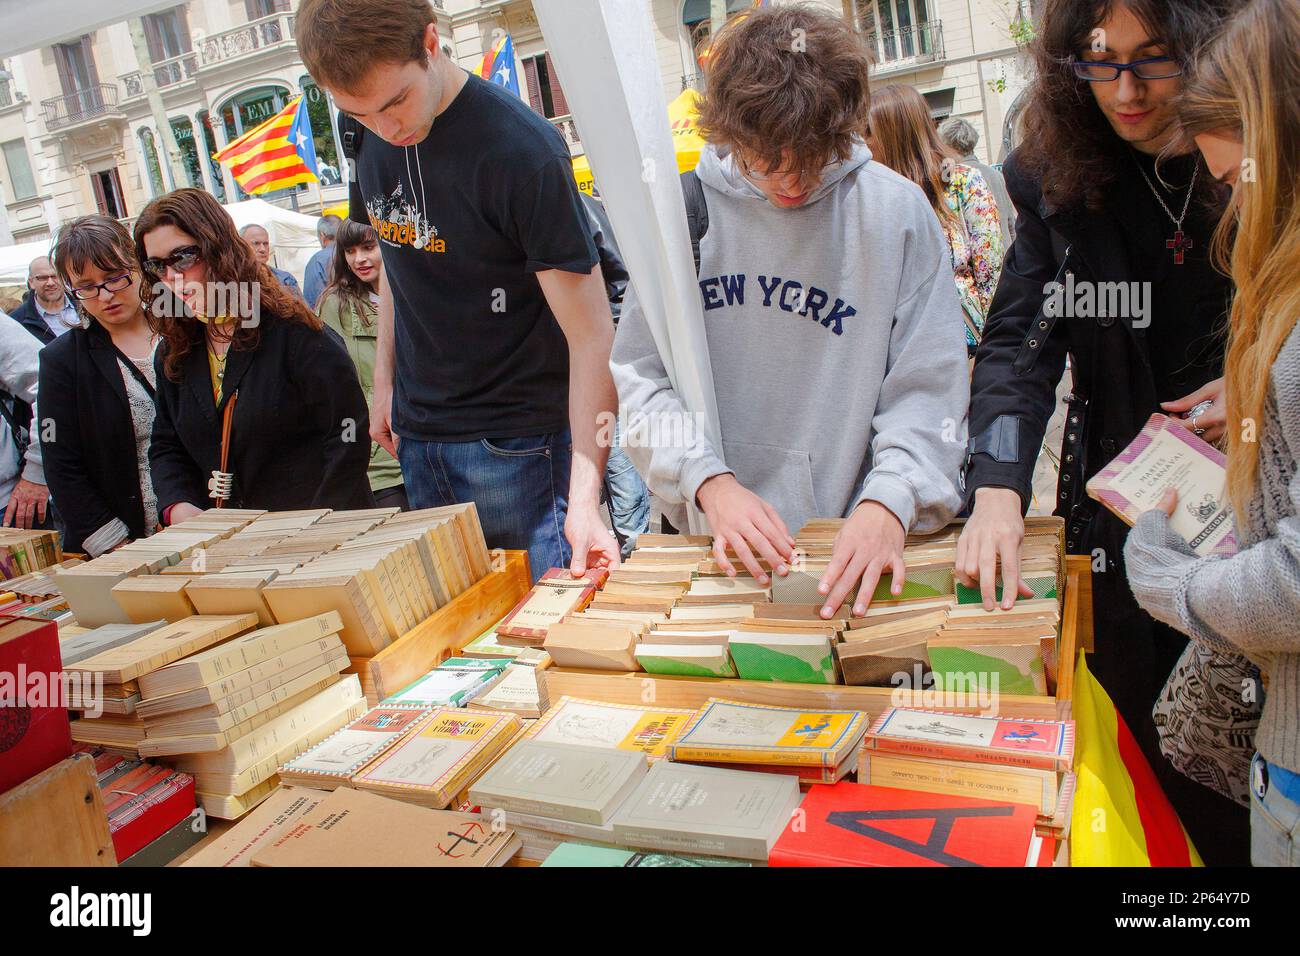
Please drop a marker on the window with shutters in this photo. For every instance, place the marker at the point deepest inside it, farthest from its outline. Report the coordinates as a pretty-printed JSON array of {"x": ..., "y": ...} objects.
[
  {"x": 78, "y": 77},
  {"x": 108, "y": 193},
  {"x": 257, "y": 9},
  {"x": 167, "y": 34},
  {"x": 20, "y": 169},
  {"x": 544, "y": 93}
]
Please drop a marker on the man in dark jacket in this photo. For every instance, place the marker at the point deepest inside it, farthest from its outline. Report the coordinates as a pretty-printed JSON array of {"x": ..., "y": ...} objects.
[
  {"x": 1110, "y": 268},
  {"x": 46, "y": 312}
]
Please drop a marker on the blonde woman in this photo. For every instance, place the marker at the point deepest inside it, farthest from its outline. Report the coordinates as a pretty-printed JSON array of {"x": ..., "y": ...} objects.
[{"x": 1243, "y": 111}]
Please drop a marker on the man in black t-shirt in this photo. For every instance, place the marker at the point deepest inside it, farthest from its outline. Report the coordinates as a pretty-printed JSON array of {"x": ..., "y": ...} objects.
[{"x": 492, "y": 370}]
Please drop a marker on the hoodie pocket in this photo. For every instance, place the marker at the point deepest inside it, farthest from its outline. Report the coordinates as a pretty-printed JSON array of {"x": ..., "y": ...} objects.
[{"x": 780, "y": 476}]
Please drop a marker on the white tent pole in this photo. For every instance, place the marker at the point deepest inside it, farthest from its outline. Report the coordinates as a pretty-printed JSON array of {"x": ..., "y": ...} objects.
[{"x": 604, "y": 53}]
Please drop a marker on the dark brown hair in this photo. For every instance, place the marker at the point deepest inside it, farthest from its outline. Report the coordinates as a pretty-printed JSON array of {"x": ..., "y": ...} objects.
[
  {"x": 1066, "y": 139},
  {"x": 905, "y": 140},
  {"x": 227, "y": 259},
  {"x": 787, "y": 82},
  {"x": 340, "y": 40},
  {"x": 99, "y": 241},
  {"x": 349, "y": 289}
]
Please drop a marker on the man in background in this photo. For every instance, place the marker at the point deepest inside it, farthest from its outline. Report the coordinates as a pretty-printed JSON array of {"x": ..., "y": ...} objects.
[
  {"x": 23, "y": 493},
  {"x": 962, "y": 138},
  {"x": 319, "y": 266},
  {"x": 46, "y": 311},
  {"x": 259, "y": 240}
]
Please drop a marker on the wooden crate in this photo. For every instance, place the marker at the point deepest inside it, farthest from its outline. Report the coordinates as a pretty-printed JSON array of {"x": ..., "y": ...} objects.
[
  {"x": 451, "y": 627},
  {"x": 56, "y": 818},
  {"x": 637, "y": 687}
]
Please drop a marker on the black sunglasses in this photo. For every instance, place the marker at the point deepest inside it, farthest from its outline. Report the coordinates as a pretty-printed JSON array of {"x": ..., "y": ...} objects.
[
  {"x": 180, "y": 260},
  {"x": 1152, "y": 68}
]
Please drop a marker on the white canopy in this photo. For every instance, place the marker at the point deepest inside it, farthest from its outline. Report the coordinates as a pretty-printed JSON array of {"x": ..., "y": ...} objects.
[{"x": 14, "y": 260}]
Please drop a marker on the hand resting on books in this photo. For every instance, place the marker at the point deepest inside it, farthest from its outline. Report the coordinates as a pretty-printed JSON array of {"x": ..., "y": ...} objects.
[{"x": 870, "y": 543}]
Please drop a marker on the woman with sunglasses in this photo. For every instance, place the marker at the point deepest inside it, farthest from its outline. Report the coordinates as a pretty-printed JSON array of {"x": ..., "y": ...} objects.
[
  {"x": 348, "y": 306},
  {"x": 247, "y": 375},
  {"x": 96, "y": 392}
]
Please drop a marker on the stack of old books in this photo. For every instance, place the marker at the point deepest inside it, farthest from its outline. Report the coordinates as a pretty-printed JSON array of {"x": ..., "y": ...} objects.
[
  {"x": 1008, "y": 651},
  {"x": 963, "y": 755},
  {"x": 145, "y": 803},
  {"x": 517, "y": 688},
  {"x": 24, "y": 552},
  {"x": 810, "y": 746}
]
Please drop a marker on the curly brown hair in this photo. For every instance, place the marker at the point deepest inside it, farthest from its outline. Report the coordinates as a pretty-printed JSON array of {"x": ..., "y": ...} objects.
[
  {"x": 1066, "y": 140},
  {"x": 228, "y": 260},
  {"x": 787, "y": 85}
]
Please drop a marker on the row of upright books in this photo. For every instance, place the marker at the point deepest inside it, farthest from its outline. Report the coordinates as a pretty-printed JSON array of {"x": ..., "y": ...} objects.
[
  {"x": 671, "y": 610},
  {"x": 24, "y": 552}
]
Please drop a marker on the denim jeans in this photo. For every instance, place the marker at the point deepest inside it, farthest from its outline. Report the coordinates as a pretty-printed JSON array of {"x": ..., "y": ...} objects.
[
  {"x": 1274, "y": 821},
  {"x": 520, "y": 486},
  {"x": 629, "y": 498}
]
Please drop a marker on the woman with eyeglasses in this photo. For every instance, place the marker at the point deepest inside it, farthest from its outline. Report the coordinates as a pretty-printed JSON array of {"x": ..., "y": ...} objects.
[
  {"x": 902, "y": 136},
  {"x": 96, "y": 392},
  {"x": 348, "y": 306},
  {"x": 258, "y": 403}
]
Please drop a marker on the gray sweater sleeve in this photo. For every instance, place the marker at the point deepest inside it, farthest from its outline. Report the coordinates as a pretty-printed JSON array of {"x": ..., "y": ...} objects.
[
  {"x": 668, "y": 450},
  {"x": 919, "y": 428},
  {"x": 1249, "y": 602}
]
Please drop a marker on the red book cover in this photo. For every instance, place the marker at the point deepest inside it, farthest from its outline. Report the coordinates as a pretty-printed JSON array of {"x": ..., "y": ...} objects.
[
  {"x": 849, "y": 824},
  {"x": 34, "y": 731},
  {"x": 145, "y": 804}
]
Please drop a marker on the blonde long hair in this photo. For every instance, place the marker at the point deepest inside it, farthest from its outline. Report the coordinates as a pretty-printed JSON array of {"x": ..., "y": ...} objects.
[
  {"x": 906, "y": 142},
  {"x": 1247, "y": 86}
]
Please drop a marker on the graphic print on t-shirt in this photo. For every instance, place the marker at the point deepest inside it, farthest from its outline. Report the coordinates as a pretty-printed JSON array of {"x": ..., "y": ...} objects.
[{"x": 401, "y": 222}]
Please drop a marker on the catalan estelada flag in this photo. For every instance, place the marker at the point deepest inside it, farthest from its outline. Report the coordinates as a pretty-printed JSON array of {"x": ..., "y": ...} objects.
[
  {"x": 498, "y": 65},
  {"x": 1121, "y": 816},
  {"x": 275, "y": 155}
]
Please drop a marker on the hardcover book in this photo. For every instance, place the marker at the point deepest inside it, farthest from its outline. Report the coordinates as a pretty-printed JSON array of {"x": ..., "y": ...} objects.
[
  {"x": 683, "y": 808},
  {"x": 850, "y": 824},
  {"x": 568, "y": 782},
  {"x": 1166, "y": 454},
  {"x": 590, "y": 723}
]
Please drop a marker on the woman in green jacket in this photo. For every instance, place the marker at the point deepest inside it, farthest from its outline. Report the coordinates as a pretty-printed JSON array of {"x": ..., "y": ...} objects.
[{"x": 349, "y": 305}]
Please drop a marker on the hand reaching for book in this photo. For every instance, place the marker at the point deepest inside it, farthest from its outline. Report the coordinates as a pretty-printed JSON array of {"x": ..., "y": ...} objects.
[
  {"x": 993, "y": 534},
  {"x": 593, "y": 546},
  {"x": 744, "y": 522},
  {"x": 869, "y": 544}
]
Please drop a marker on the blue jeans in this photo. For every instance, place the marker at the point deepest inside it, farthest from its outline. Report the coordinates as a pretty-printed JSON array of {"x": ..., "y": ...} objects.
[
  {"x": 520, "y": 485},
  {"x": 629, "y": 497},
  {"x": 1274, "y": 820}
]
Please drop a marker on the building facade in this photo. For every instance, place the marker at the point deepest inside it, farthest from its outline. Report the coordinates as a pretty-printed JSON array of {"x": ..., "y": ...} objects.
[{"x": 78, "y": 134}]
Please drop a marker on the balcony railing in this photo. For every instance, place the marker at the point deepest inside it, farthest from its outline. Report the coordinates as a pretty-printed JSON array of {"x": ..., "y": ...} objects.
[
  {"x": 904, "y": 49},
  {"x": 269, "y": 33},
  {"x": 569, "y": 131},
  {"x": 165, "y": 73},
  {"x": 90, "y": 103}
]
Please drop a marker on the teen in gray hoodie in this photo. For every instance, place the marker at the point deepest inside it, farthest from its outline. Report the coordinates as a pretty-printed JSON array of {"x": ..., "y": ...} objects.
[{"x": 838, "y": 356}]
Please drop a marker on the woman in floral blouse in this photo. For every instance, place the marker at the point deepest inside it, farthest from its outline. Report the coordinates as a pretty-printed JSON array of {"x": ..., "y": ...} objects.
[{"x": 902, "y": 137}]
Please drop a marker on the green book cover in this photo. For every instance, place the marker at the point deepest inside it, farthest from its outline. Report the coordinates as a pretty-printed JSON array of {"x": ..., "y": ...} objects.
[
  {"x": 685, "y": 660},
  {"x": 1043, "y": 586},
  {"x": 797, "y": 665},
  {"x": 450, "y": 684},
  {"x": 581, "y": 854},
  {"x": 1020, "y": 671}
]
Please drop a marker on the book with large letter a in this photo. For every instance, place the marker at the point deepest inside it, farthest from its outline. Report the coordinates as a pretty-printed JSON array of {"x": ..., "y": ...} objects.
[{"x": 849, "y": 824}]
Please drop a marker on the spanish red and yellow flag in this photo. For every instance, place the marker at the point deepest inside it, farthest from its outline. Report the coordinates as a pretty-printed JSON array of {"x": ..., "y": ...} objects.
[
  {"x": 1121, "y": 816},
  {"x": 275, "y": 155}
]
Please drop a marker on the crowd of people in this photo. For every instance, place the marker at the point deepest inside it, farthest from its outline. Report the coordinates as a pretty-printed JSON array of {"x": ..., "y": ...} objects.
[{"x": 877, "y": 308}]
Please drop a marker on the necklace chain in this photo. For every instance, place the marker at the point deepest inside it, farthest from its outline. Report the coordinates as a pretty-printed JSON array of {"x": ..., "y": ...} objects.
[{"x": 1178, "y": 222}]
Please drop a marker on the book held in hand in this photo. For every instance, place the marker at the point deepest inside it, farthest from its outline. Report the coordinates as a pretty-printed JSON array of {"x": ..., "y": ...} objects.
[{"x": 1165, "y": 454}]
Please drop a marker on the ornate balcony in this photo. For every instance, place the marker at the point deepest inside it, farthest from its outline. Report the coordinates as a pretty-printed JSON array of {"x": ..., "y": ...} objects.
[
  {"x": 91, "y": 104},
  {"x": 907, "y": 49},
  {"x": 257, "y": 36}
]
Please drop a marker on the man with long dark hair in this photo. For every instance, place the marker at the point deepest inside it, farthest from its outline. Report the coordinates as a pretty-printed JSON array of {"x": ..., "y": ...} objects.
[{"x": 1111, "y": 268}]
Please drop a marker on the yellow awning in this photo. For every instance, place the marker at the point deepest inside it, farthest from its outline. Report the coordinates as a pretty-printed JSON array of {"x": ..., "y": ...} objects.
[{"x": 683, "y": 118}]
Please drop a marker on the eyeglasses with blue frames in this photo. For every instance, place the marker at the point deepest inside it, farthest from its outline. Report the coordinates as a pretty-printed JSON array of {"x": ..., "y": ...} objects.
[
  {"x": 1151, "y": 68},
  {"x": 116, "y": 284}
]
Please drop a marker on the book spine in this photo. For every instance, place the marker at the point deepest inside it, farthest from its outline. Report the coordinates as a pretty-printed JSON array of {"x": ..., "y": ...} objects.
[
  {"x": 541, "y": 808},
  {"x": 690, "y": 843},
  {"x": 920, "y": 748},
  {"x": 285, "y": 638},
  {"x": 693, "y": 753},
  {"x": 951, "y": 781}
]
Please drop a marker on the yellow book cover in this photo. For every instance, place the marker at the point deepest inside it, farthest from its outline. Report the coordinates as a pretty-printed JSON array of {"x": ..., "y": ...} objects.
[
  {"x": 727, "y": 731},
  {"x": 591, "y": 723}
]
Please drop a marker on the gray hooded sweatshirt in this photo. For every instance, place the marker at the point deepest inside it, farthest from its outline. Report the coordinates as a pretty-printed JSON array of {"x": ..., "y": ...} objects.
[{"x": 838, "y": 353}]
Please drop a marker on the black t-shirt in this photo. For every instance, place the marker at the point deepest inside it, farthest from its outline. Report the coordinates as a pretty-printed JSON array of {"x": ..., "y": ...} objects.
[
  {"x": 465, "y": 218},
  {"x": 1189, "y": 301}
]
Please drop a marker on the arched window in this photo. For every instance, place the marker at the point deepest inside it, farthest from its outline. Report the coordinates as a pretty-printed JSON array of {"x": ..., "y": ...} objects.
[
  {"x": 210, "y": 148},
  {"x": 152, "y": 167},
  {"x": 321, "y": 111},
  {"x": 183, "y": 130}
]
